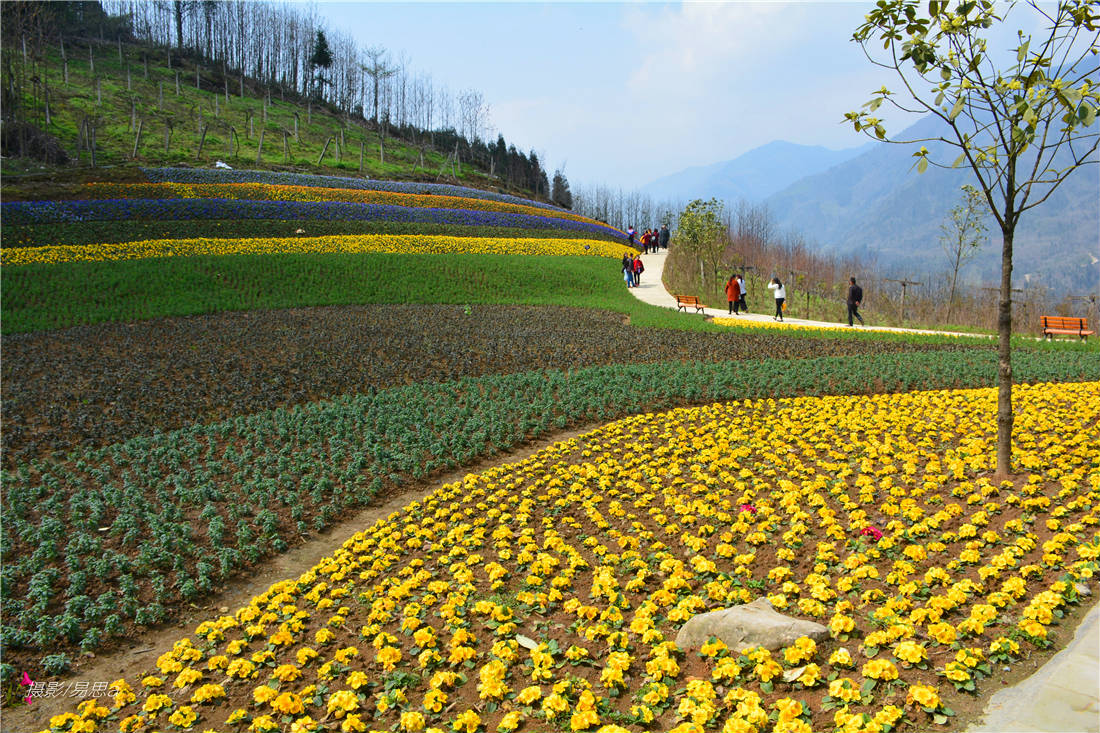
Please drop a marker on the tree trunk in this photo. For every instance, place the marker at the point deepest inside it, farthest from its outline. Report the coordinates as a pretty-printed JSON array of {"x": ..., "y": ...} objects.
[
  {"x": 260, "y": 147},
  {"x": 1004, "y": 366}
]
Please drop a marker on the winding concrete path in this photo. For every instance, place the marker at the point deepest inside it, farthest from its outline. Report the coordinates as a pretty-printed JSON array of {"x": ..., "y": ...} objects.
[
  {"x": 1062, "y": 696},
  {"x": 652, "y": 291}
]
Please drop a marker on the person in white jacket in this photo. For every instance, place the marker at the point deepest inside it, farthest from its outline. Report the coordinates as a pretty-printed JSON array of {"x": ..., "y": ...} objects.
[{"x": 780, "y": 297}]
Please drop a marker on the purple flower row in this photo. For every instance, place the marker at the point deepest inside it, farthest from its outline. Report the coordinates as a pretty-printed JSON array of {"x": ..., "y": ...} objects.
[
  {"x": 207, "y": 175},
  {"x": 52, "y": 212}
]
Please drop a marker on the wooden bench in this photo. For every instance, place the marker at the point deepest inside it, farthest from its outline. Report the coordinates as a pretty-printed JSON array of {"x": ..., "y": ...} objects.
[
  {"x": 1067, "y": 325},
  {"x": 689, "y": 301}
]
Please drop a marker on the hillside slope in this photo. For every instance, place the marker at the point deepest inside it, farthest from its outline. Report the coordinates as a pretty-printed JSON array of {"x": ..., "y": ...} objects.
[{"x": 878, "y": 205}]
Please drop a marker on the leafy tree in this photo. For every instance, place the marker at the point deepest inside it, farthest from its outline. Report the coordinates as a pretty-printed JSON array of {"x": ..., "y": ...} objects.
[
  {"x": 701, "y": 233},
  {"x": 963, "y": 234},
  {"x": 321, "y": 58},
  {"x": 1021, "y": 124},
  {"x": 559, "y": 192}
]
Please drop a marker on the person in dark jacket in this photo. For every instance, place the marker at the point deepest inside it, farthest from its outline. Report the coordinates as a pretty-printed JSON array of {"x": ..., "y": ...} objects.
[
  {"x": 855, "y": 297},
  {"x": 662, "y": 237}
]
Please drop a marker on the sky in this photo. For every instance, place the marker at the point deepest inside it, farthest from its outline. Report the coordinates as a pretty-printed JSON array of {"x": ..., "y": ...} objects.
[{"x": 621, "y": 94}]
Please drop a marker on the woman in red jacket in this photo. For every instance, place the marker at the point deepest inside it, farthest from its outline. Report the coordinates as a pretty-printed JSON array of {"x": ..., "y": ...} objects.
[{"x": 733, "y": 294}]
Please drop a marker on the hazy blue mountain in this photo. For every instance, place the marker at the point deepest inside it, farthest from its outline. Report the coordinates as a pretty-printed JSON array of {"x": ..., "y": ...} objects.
[
  {"x": 877, "y": 205},
  {"x": 753, "y": 176}
]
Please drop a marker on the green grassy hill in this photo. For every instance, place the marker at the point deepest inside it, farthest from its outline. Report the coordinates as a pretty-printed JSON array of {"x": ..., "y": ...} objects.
[{"x": 152, "y": 107}]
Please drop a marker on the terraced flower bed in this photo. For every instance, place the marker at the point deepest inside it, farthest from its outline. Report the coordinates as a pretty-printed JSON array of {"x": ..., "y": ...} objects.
[
  {"x": 803, "y": 327},
  {"x": 273, "y": 178},
  {"x": 346, "y": 244},
  {"x": 95, "y": 385},
  {"x": 37, "y": 213},
  {"x": 100, "y": 232},
  {"x": 546, "y": 595},
  {"x": 108, "y": 538}
]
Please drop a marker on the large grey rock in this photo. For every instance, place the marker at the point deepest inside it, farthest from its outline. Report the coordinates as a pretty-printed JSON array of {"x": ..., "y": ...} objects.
[{"x": 750, "y": 625}]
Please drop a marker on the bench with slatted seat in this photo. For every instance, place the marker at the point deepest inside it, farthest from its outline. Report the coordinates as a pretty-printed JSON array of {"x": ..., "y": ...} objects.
[
  {"x": 1066, "y": 325},
  {"x": 689, "y": 301}
]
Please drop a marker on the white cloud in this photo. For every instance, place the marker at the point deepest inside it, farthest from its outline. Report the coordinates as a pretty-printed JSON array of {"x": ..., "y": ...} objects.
[{"x": 683, "y": 50}]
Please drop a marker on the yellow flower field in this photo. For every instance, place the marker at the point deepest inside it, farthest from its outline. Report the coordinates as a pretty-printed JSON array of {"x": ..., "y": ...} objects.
[
  {"x": 546, "y": 594},
  {"x": 745, "y": 323},
  {"x": 390, "y": 243},
  {"x": 272, "y": 192}
]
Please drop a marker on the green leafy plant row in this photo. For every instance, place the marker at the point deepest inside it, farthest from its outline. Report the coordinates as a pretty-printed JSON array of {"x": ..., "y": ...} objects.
[{"x": 122, "y": 536}]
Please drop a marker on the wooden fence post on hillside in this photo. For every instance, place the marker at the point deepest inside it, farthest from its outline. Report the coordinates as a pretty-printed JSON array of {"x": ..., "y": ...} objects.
[
  {"x": 286, "y": 148},
  {"x": 362, "y": 150},
  {"x": 905, "y": 283},
  {"x": 129, "y": 86},
  {"x": 167, "y": 135},
  {"x": 324, "y": 150},
  {"x": 233, "y": 140},
  {"x": 297, "y": 137},
  {"x": 260, "y": 147},
  {"x": 137, "y": 138}
]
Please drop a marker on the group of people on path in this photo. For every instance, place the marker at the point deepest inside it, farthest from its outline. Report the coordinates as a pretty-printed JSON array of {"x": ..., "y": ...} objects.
[
  {"x": 735, "y": 296},
  {"x": 651, "y": 241},
  {"x": 632, "y": 269},
  {"x": 736, "y": 291}
]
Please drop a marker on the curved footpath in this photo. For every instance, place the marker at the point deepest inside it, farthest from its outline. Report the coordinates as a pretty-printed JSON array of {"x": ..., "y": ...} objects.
[
  {"x": 652, "y": 291},
  {"x": 1062, "y": 696}
]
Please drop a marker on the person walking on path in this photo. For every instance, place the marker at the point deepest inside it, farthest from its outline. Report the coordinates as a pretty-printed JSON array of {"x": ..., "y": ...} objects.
[
  {"x": 744, "y": 290},
  {"x": 638, "y": 270},
  {"x": 628, "y": 270},
  {"x": 780, "y": 297},
  {"x": 630, "y": 235},
  {"x": 855, "y": 297},
  {"x": 733, "y": 294},
  {"x": 662, "y": 238}
]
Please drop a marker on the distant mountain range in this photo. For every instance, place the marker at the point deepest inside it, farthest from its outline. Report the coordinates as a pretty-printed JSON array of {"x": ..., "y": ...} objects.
[
  {"x": 872, "y": 203},
  {"x": 753, "y": 176}
]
